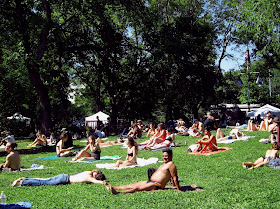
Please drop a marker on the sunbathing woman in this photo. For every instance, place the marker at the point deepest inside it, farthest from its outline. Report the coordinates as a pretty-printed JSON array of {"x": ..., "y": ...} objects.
[
  {"x": 94, "y": 148},
  {"x": 60, "y": 150},
  {"x": 252, "y": 126},
  {"x": 209, "y": 142},
  {"x": 40, "y": 140},
  {"x": 159, "y": 136},
  {"x": 270, "y": 154},
  {"x": 151, "y": 131},
  {"x": 234, "y": 134},
  {"x": 166, "y": 143},
  {"x": 266, "y": 122},
  {"x": 131, "y": 154}
]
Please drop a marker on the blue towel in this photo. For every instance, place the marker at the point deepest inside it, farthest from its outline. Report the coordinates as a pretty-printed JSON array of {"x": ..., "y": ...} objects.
[
  {"x": 49, "y": 157},
  {"x": 16, "y": 205}
]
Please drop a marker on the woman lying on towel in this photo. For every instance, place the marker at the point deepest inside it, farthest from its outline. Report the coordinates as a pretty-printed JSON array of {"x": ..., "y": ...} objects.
[
  {"x": 131, "y": 158},
  {"x": 166, "y": 143},
  {"x": 234, "y": 134},
  {"x": 109, "y": 143},
  {"x": 208, "y": 141},
  {"x": 270, "y": 154},
  {"x": 94, "y": 149},
  {"x": 60, "y": 149}
]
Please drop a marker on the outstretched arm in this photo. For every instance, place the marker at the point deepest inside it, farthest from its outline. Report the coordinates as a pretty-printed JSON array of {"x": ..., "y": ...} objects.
[{"x": 174, "y": 177}]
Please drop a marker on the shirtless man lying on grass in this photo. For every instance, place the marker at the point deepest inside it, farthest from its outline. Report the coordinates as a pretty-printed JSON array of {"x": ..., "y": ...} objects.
[
  {"x": 157, "y": 181},
  {"x": 94, "y": 176}
]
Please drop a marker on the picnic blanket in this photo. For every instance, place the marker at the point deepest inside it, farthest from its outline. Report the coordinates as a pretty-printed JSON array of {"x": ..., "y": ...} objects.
[
  {"x": 91, "y": 160},
  {"x": 32, "y": 168},
  {"x": 220, "y": 149},
  {"x": 50, "y": 157},
  {"x": 140, "y": 162},
  {"x": 244, "y": 138},
  {"x": 17, "y": 205}
]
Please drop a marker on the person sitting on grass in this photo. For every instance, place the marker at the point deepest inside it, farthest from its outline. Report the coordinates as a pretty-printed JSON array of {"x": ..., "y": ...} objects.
[
  {"x": 60, "y": 148},
  {"x": 41, "y": 140},
  {"x": 252, "y": 126},
  {"x": 273, "y": 130},
  {"x": 51, "y": 138},
  {"x": 151, "y": 131},
  {"x": 208, "y": 141},
  {"x": 158, "y": 137},
  {"x": 266, "y": 122},
  {"x": 234, "y": 134},
  {"x": 197, "y": 129},
  {"x": 269, "y": 155},
  {"x": 157, "y": 181},
  {"x": 166, "y": 143},
  {"x": 131, "y": 158},
  {"x": 94, "y": 148},
  {"x": 94, "y": 176},
  {"x": 13, "y": 158},
  {"x": 7, "y": 139}
]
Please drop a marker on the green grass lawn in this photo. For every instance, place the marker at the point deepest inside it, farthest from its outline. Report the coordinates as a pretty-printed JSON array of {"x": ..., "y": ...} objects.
[{"x": 225, "y": 183}]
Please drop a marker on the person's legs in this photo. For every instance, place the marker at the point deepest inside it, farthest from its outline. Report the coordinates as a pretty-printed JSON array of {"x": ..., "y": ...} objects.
[
  {"x": 118, "y": 163},
  {"x": 143, "y": 187},
  {"x": 127, "y": 163},
  {"x": 219, "y": 134},
  {"x": 81, "y": 154},
  {"x": 56, "y": 180},
  {"x": 130, "y": 186}
]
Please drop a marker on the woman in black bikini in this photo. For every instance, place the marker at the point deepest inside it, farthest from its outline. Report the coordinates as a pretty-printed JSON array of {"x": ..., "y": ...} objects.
[
  {"x": 131, "y": 158},
  {"x": 94, "y": 148}
]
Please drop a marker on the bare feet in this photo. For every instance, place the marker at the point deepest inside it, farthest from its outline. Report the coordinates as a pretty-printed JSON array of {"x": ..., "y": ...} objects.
[
  {"x": 17, "y": 182},
  {"x": 109, "y": 187}
]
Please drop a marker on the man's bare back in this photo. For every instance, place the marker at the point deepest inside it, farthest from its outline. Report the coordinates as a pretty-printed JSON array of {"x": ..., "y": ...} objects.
[
  {"x": 13, "y": 161},
  {"x": 84, "y": 177}
]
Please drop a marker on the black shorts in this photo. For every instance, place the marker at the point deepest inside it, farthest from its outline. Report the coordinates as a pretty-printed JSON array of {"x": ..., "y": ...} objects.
[{"x": 155, "y": 183}]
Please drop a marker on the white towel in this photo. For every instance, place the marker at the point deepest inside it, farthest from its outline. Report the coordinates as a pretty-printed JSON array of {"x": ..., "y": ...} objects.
[{"x": 140, "y": 162}]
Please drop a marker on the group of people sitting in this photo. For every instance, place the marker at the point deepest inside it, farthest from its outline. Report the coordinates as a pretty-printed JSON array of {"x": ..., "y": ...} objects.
[
  {"x": 159, "y": 138},
  {"x": 268, "y": 124}
]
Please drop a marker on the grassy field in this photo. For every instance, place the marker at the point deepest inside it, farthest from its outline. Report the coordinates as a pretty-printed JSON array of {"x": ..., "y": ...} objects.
[{"x": 225, "y": 183}]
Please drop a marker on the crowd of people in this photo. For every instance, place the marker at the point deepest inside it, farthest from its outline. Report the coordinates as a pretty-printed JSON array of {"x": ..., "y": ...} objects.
[{"x": 159, "y": 137}]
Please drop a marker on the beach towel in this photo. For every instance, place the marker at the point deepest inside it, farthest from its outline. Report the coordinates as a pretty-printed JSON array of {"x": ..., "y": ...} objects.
[
  {"x": 209, "y": 152},
  {"x": 50, "y": 157},
  {"x": 91, "y": 160},
  {"x": 32, "y": 168},
  {"x": 17, "y": 205},
  {"x": 243, "y": 138},
  {"x": 140, "y": 162}
]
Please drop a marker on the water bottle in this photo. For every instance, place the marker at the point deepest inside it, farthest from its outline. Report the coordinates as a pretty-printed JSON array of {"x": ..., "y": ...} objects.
[{"x": 3, "y": 198}]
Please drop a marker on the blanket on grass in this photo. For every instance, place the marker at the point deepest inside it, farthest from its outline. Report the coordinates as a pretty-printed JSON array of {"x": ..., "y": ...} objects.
[
  {"x": 140, "y": 162},
  {"x": 50, "y": 157},
  {"x": 220, "y": 149},
  {"x": 17, "y": 205},
  {"x": 244, "y": 138},
  {"x": 91, "y": 160},
  {"x": 32, "y": 168}
]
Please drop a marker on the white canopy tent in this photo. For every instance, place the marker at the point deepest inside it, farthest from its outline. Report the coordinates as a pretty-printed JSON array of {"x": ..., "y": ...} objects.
[
  {"x": 262, "y": 111},
  {"x": 18, "y": 116},
  {"x": 91, "y": 121}
]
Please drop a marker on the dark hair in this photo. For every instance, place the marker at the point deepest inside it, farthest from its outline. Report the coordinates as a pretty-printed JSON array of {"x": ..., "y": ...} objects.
[
  {"x": 275, "y": 146},
  {"x": 100, "y": 176},
  {"x": 133, "y": 142},
  {"x": 208, "y": 128},
  {"x": 168, "y": 150},
  {"x": 63, "y": 136},
  {"x": 13, "y": 145}
]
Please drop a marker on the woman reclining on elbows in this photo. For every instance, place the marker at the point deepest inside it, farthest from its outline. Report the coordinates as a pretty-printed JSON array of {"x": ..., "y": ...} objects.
[
  {"x": 234, "y": 134},
  {"x": 94, "y": 148},
  {"x": 131, "y": 158},
  {"x": 270, "y": 154}
]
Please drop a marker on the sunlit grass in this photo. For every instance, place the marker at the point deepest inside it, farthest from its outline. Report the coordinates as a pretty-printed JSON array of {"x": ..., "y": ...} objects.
[{"x": 225, "y": 183}]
